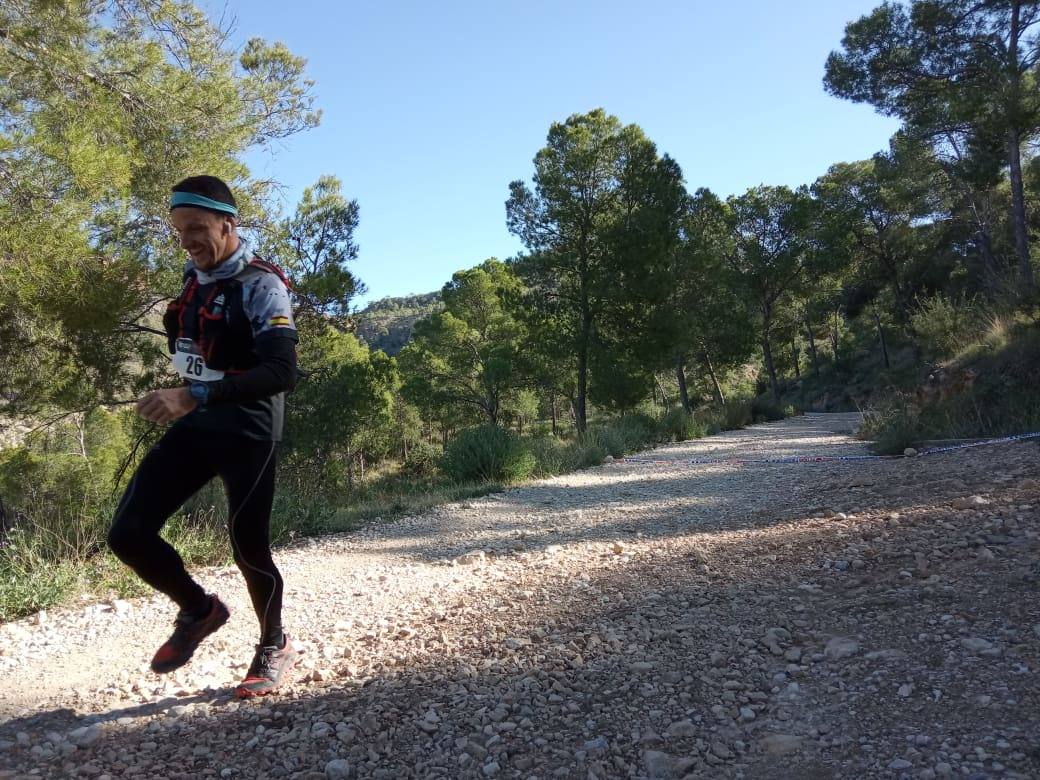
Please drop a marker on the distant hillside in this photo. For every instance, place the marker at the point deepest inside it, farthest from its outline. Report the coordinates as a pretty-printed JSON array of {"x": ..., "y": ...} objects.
[{"x": 386, "y": 324}]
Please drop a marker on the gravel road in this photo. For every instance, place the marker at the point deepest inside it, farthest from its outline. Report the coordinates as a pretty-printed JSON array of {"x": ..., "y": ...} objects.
[{"x": 636, "y": 620}]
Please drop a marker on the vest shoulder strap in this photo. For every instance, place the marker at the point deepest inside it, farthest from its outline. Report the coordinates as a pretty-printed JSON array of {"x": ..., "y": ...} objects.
[{"x": 271, "y": 268}]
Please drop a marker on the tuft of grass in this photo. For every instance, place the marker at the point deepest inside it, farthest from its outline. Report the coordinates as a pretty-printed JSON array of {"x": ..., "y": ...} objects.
[{"x": 29, "y": 579}]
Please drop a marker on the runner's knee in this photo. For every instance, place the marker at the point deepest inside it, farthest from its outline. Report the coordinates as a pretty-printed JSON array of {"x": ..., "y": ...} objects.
[{"x": 127, "y": 536}]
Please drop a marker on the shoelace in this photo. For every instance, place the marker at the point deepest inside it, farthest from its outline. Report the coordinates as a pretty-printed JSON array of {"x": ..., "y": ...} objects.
[{"x": 263, "y": 662}]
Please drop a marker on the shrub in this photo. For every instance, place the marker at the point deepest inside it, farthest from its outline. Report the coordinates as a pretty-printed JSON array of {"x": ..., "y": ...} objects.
[
  {"x": 736, "y": 413},
  {"x": 422, "y": 460},
  {"x": 636, "y": 431},
  {"x": 30, "y": 578},
  {"x": 765, "y": 409},
  {"x": 892, "y": 429},
  {"x": 677, "y": 425},
  {"x": 487, "y": 454},
  {"x": 298, "y": 513},
  {"x": 583, "y": 454},
  {"x": 944, "y": 327},
  {"x": 606, "y": 439}
]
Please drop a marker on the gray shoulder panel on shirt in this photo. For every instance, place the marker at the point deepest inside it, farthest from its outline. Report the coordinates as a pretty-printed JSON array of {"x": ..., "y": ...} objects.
[{"x": 266, "y": 302}]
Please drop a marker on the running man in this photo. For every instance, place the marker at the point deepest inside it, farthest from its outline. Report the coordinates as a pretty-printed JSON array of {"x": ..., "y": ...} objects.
[{"x": 232, "y": 339}]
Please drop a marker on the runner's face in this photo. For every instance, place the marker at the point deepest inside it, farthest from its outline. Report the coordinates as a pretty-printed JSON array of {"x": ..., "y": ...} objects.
[{"x": 207, "y": 237}]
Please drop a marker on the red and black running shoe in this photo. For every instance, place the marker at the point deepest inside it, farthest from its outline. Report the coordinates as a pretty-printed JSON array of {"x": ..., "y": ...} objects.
[
  {"x": 269, "y": 670},
  {"x": 188, "y": 632}
]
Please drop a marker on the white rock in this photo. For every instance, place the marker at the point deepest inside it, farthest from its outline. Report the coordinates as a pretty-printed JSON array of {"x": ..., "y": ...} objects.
[
  {"x": 781, "y": 744},
  {"x": 85, "y": 736},
  {"x": 971, "y": 502},
  {"x": 720, "y": 750},
  {"x": 337, "y": 769},
  {"x": 910, "y": 452},
  {"x": 976, "y": 644},
  {"x": 682, "y": 728},
  {"x": 658, "y": 764},
  {"x": 841, "y": 647}
]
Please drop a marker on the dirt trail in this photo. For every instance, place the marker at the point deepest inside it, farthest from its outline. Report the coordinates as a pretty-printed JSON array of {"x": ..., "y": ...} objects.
[{"x": 867, "y": 619}]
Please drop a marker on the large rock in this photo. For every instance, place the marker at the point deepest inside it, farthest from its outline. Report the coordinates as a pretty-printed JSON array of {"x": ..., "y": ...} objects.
[
  {"x": 841, "y": 647},
  {"x": 781, "y": 744},
  {"x": 658, "y": 764},
  {"x": 337, "y": 769},
  {"x": 970, "y": 502}
]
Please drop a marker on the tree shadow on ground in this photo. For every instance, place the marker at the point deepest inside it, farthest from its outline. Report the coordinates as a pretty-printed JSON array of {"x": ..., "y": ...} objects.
[
  {"x": 618, "y": 656},
  {"x": 626, "y": 502}
]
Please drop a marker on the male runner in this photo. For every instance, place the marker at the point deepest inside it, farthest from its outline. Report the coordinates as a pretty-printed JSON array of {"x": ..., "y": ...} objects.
[{"x": 232, "y": 339}]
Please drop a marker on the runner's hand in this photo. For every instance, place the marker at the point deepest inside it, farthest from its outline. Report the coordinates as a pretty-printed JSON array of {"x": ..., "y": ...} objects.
[{"x": 163, "y": 406}]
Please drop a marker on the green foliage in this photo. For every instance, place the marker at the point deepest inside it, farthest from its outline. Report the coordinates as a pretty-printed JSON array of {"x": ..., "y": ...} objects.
[
  {"x": 103, "y": 107},
  {"x": 1003, "y": 400},
  {"x": 604, "y": 439},
  {"x": 943, "y": 327},
  {"x": 31, "y": 577},
  {"x": 736, "y": 414},
  {"x": 349, "y": 391},
  {"x": 466, "y": 358},
  {"x": 298, "y": 512},
  {"x": 765, "y": 409},
  {"x": 679, "y": 425},
  {"x": 319, "y": 242},
  {"x": 892, "y": 428},
  {"x": 600, "y": 225},
  {"x": 422, "y": 460},
  {"x": 487, "y": 453},
  {"x": 553, "y": 456},
  {"x": 771, "y": 252},
  {"x": 959, "y": 73}
]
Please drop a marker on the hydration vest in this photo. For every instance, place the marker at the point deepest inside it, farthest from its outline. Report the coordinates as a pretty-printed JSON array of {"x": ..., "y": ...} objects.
[{"x": 213, "y": 316}]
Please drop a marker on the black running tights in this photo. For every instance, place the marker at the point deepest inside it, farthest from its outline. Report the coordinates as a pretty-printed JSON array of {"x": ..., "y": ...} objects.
[{"x": 182, "y": 462}]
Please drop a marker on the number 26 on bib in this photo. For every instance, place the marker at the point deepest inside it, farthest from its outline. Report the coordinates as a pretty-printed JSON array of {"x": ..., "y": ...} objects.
[{"x": 189, "y": 363}]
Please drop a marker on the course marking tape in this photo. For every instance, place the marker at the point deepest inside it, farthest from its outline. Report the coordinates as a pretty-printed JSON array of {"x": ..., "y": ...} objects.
[{"x": 830, "y": 458}]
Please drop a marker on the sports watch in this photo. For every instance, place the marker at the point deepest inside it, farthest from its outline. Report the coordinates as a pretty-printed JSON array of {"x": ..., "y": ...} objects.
[{"x": 199, "y": 391}]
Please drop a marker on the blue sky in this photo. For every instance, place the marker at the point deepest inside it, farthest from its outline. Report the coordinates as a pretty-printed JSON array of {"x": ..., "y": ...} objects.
[{"x": 431, "y": 109}]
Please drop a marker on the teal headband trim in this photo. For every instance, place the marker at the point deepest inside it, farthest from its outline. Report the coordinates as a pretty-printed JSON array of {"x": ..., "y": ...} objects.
[{"x": 191, "y": 199}]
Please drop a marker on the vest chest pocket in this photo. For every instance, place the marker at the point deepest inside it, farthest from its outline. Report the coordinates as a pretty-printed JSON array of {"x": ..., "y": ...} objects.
[{"x": 208, "y": 331}]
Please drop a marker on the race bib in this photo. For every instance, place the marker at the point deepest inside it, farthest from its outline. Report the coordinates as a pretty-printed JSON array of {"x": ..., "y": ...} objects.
[{"x": 189, "y": 363}]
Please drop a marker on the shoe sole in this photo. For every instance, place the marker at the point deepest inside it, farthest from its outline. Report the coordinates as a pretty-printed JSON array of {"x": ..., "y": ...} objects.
[{"x": 246, "y": 693}]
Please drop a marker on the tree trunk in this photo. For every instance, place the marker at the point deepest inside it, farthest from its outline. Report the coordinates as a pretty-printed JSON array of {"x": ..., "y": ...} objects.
[
  {"x": 1014, "y": 149},
  {"x": 680, "y": 376},
  {"x": 796, "y": 357},
  {"x": 660, "y": 389},
  {"x": 552, "y": 407},
  {"x": 580, "y": 416},
  {"x": 881, "y": 337},
  {"x": 767, "y": 352},
  {"x": 834, "y": 334},
  {"x": 1018, "y": 204},
  {"x": 812, "y": 346},
  {"x": 716, "y": 387}
]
